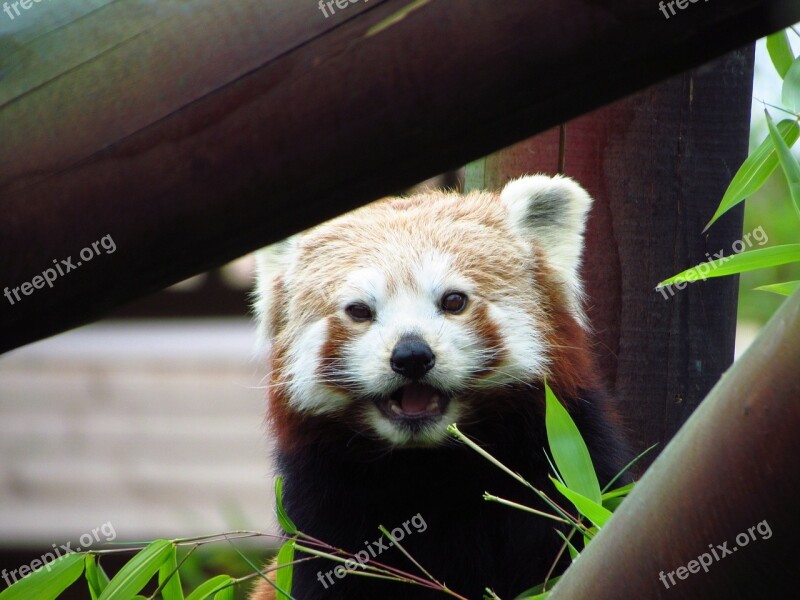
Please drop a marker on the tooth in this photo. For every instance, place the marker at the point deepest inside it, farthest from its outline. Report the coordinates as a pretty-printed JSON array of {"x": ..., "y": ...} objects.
[
  {"x": 395, "y": 407},
  {"x": 433, "y": 405}
]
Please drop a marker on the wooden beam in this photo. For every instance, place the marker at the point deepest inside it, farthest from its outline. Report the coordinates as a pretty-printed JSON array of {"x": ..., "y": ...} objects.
[{"x": 202, "y": 131}]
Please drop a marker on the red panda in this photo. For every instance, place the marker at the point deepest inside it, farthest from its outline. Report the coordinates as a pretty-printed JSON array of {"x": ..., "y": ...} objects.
[{"x": 391, "y": 322}]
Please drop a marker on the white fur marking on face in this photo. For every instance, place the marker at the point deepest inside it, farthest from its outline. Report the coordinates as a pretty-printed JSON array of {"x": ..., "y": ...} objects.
[
  {"x": 552, "y": 211},
  {"x": 415, "y": 310},
  {"x": 306, "y": 392},
  {"x": 271, "y": 262},
  {"x": 524, "y": 345},
  {"x": 433, "y": 275},
  {"x": 364, "y": 285}
]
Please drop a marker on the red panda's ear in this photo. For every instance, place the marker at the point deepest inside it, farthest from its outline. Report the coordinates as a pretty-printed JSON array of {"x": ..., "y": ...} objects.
[
  {"x": 273, "y": 264},
  {"x": 551, "y": 212}
]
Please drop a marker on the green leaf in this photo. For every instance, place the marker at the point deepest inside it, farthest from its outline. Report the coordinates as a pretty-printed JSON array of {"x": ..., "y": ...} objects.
[
  {"x": 780, "y": 51},
  {"x": 538, "y": 590},
  {"x": 738, "y": 263},
  {"x": 573, "y": 552},
  {"x": 612, "y": 504},
  {"x": 256, "y": 569},
  {"x": 569, "y": 450},
  {"x": 137, "y": 571},
  {"x": 755, "y": 170},
  {"x": 628, "y": 466},
  {"x": 96, "y": 577},
  {"x": 786, "y": 288},
  {"x": 283, "y": 518},
  {"x": 791, "y": 167},
  {"x": 47, "y": 582},
  {"x": 594, "y": 511},
  {"x": 790, "y": 94},
  {"x": 285, "y": 572},
  {"x": 612, "y": 499},
  {"x": 169, "y": 580},
  {"x": 620, "y": 491},
  {"x": 224, "y": 594},
  {"x": 212, "y": 586}
]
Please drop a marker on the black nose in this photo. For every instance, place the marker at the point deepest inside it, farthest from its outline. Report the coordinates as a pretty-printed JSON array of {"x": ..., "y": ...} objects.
[{"x": 412, "y": 357}]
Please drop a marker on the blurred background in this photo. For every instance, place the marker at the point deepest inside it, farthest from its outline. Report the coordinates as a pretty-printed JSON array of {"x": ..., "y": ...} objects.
[
  {"x": 152, "y": 419},
  {"x": 769, "y": 208}
]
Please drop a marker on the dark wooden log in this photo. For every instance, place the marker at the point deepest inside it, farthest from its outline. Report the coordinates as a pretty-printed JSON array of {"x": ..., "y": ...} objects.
[
  {"x": 657, "y": 164},
  {"x": 197, "y": 132},
  {"x": 725, "y": 489}
]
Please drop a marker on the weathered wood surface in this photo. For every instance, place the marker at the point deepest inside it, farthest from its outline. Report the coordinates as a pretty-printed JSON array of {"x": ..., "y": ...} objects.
[{"x": 198, "y": 131}]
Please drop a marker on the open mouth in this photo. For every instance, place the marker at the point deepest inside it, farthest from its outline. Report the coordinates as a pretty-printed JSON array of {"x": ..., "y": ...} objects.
[{"x": 413, "y": 402}]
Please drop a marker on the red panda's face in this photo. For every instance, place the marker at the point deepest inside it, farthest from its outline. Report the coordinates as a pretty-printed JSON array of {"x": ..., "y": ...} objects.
[{"x": 405, "y": 315}]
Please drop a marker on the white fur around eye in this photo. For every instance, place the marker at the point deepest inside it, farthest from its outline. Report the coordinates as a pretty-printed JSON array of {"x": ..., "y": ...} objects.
[
  {"x": 306, "y": 392},
  {"x": 526, "y": 348},
  {"x": 367, "y": 285},
  {"x": 435, "y": 275}
]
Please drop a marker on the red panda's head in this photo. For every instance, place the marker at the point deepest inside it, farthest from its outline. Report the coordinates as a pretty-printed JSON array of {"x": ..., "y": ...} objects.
[{"x": 413, "y": 313}]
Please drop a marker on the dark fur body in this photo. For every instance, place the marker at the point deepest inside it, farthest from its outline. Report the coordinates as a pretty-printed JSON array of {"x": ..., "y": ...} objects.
[{"x": 342, "y": 487}]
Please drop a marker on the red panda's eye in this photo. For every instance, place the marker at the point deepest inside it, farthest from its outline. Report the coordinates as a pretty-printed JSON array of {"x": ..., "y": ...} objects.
[
  {"x": 454, "y": 302},
  {"x": 358, "y": 312}
]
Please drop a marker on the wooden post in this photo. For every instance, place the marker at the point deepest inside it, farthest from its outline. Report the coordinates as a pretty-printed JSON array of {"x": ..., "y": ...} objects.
[{"x": 657, "y": 164}]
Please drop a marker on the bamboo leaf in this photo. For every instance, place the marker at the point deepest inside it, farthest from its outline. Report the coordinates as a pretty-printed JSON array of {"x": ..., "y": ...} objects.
[
  {"x": 755, "y": 170},
  {"x": 620, "y": 491},
  {"x": 212, "y": 586},
  {"x": 224, "y": 594},
  {"x": 538, "y": 590},
  {"x": 786, "y": 288},
  {"x": 628, "y": 466},
  {"x": 594, "y": 511},
  {"x": 573, "y": 552},
  {"x": 569, "y": 450},
  {"x": 256, "y": 569},
  {"x": 738, "y": 263},
  {"x": 791, "y": 167},
  {"x": 285, "y": 572},
  {"x": 790, "y": 94},
  {"x": 612, "y": 504},
  {"x": 283, "y": 518},
  {"x": 47, "y": 582},
  {"x": 169, "y": 580},
  {"x": 96, "y": 577},
  {"x": 780, "y": 52},
  {"x": 137, "y": 571}
]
